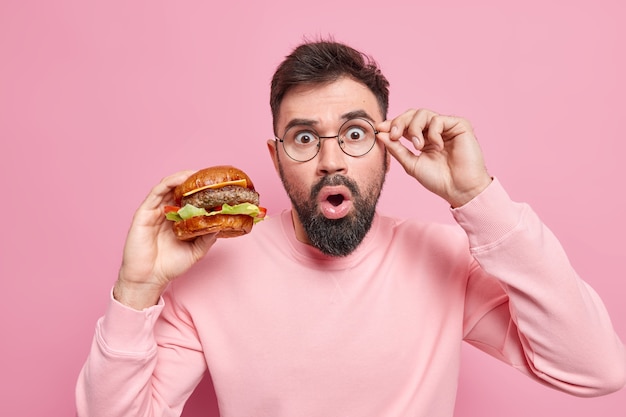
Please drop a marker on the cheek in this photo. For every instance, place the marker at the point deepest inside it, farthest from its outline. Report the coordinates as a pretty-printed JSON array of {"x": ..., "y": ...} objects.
[
  {"x": 294, "y": 179},
  {"x": 371, "y": 167},
  {"x": 371, "y": 175},
  {"x": 289, "y": 170}
]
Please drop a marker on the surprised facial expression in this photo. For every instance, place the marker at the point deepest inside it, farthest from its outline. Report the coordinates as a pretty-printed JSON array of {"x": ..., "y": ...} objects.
[{"x": 334, "y": 195}]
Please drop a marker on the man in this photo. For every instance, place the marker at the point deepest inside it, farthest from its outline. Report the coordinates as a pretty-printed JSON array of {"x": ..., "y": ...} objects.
[{"x": 330, "y": 309}]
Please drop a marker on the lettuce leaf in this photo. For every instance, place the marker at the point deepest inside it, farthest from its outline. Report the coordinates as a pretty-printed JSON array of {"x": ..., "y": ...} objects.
[{"x": 189, "y": 211}]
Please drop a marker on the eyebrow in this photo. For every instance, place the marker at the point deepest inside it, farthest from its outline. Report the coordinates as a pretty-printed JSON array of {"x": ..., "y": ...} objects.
[
  {"x": 346, "y": 116},
  {"x": 361, "y": 114}
]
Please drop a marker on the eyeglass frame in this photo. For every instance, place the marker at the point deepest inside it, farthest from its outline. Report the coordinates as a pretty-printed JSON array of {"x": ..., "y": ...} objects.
[{"x": 319, "y": 140}]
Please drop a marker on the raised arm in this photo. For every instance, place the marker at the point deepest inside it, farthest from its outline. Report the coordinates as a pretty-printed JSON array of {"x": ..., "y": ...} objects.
[
  {"x": 121, "y": 376},
  {"x": 544, "y": 319}
]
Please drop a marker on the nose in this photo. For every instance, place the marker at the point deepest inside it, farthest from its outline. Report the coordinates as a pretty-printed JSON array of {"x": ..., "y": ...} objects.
[{"x": 331, "y": 159}]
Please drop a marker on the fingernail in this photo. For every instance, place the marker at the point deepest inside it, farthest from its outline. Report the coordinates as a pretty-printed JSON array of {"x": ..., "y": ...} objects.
[
  {"x": 394, "y": 131},
  {"x": 416, "y": 141}
]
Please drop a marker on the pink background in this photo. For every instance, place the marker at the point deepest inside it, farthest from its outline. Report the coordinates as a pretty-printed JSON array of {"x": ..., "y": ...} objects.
[{"x": 100, "y": 100}]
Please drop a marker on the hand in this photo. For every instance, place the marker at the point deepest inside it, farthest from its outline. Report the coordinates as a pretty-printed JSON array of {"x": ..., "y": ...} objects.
[
  {"x": 153, "y": 256},
  {"x": 448, "y": 160}
]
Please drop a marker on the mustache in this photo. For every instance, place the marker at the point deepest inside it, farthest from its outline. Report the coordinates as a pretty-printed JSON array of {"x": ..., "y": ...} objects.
[{"x": 333, "y": 181}]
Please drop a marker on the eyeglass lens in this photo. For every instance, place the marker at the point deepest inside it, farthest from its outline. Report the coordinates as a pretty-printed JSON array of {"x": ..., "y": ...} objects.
[{"x": 356, "y": 137}]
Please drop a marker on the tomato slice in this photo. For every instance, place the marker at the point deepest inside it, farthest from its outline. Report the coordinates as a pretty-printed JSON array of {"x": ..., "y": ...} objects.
[
  {"x": 262, "y": 212},
  {"x": 169, "y": 209}
]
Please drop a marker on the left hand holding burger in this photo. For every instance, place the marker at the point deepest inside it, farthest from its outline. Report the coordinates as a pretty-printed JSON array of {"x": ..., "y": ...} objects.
[
  {"x": 153, "y": 255},
  {"x": 219, "y": 202},
  {"x": 448, "y": 161}
]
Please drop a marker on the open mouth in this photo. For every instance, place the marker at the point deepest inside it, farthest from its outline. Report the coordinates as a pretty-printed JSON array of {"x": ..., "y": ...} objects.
[{"x": 335, "y": 199}]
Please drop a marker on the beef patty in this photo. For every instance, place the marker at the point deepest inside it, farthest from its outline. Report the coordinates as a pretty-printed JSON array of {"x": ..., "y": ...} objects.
[{"x": 230, "y": 194}]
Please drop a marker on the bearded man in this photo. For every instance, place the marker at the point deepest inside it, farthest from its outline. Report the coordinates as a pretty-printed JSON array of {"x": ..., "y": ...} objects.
[{"x": 343, "y": 311}]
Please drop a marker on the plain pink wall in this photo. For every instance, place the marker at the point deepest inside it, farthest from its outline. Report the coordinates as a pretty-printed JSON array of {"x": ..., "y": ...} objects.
[{"x": 100, "y": 100}]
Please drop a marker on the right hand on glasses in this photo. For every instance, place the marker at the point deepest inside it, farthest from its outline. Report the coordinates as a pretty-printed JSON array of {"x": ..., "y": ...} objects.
[
  {"x": 153, "y": 256},
  {"x": 448, "y": 161}
]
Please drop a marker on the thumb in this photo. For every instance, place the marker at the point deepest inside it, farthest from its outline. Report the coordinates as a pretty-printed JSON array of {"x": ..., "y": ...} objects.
[{"x": 400, "y": 152}]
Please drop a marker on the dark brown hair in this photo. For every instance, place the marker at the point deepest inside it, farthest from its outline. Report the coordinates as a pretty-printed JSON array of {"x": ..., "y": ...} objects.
[{"x": 322, "y": 62}]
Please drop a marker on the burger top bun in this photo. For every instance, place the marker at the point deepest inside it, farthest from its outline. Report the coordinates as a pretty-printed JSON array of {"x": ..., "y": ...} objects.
[{"x": 208, "y": 176}]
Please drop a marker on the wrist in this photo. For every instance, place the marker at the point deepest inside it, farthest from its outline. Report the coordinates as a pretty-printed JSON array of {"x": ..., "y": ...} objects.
[
  {"x": 462, "y": 198},
  {"x": 137, "y": 296}
]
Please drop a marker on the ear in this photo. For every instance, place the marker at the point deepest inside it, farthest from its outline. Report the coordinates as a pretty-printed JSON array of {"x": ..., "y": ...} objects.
[{"x": 271, "y": 147}]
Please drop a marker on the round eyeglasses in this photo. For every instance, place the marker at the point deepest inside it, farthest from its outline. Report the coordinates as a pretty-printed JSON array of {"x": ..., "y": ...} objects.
[{"x": 356, "y": 137}]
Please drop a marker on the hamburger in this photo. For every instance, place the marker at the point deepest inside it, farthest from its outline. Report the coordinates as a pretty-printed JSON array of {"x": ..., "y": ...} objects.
[{"x": 219, "y": 199}]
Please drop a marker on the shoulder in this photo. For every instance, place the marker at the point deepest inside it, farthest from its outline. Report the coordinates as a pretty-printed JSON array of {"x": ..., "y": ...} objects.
[
  {"x": 416, "y": 240},
  {"x": 418, "y": 231}
]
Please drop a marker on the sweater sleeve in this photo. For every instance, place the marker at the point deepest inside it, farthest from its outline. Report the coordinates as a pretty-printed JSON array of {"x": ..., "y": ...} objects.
[
  {"x": 131, "y": 372},
  {"x": 543, "y": 319}
]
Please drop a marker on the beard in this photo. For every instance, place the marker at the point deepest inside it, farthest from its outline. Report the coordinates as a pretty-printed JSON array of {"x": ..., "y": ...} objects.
[{"x": 336, "y": 237}]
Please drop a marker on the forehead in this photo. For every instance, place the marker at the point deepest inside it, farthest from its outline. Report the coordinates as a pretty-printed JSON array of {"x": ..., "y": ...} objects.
[{"x": 327, "y": 103}]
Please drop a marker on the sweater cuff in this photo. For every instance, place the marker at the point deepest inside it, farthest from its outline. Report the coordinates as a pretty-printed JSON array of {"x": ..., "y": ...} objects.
[
  {"x": 126, "y": 330},
  {"x": 489, "y": 217}
]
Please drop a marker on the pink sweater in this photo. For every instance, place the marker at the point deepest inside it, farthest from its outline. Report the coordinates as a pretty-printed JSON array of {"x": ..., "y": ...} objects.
[{"x": 287, "y": 331}]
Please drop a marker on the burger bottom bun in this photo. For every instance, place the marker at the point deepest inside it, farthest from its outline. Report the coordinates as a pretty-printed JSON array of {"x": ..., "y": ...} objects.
[{"x": 225, "y": 225}]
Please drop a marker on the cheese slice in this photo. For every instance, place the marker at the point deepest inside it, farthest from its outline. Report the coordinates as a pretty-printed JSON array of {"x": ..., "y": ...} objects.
[{"x": 241, "y": 183}]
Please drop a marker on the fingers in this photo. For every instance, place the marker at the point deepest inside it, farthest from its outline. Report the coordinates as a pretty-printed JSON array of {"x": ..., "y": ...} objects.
[
  {"x": 400, "y": 152},
  {"x": 170, "y": 182},
  {"x": 163, "y": 190},
  {"x": 202, "y": 244},
  {"x": 424, "y": 128},
  {"x": 412, "y": 124}
]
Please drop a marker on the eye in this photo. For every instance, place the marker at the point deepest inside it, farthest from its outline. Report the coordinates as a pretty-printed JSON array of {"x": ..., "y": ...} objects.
[
  {"x": 304, "y": 138},
  {"x": 355, "y": 134}
]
